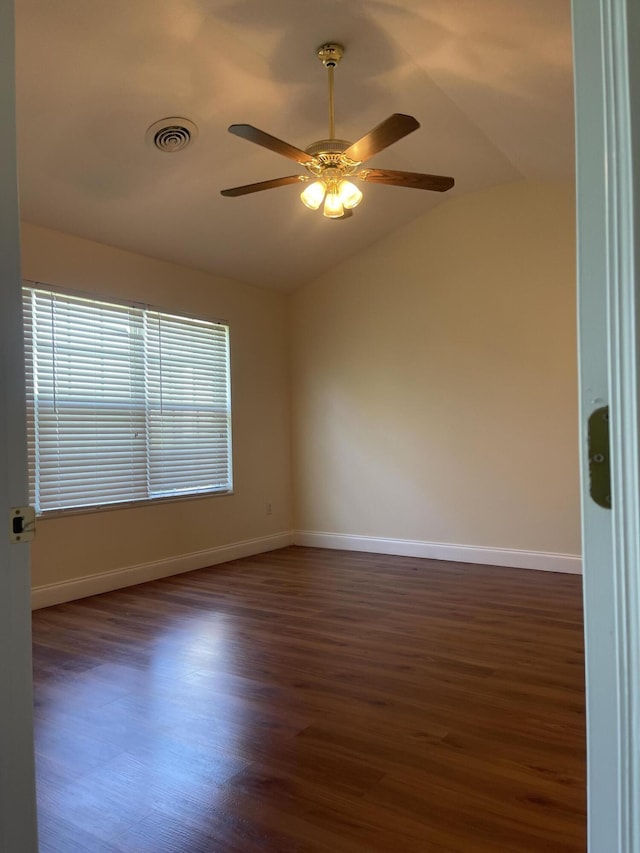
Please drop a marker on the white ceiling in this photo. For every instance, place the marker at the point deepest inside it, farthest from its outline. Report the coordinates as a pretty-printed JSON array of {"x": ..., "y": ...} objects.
[{"x": 490, "y": 81}]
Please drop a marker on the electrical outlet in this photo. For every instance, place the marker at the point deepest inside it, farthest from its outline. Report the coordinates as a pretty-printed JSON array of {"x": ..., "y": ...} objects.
[{"x": 269, "y": 512}]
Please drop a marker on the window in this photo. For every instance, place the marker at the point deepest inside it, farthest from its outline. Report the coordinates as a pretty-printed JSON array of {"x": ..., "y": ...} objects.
[{"x": 124, "y": 402}]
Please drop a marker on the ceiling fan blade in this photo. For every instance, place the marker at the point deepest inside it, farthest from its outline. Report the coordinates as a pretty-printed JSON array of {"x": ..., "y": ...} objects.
[
  {"x": 386, "y": 133},
  {"x": 252, "y": 134},
  {"x": 263, "y": 185},
  {"x": 416, "y": 180}
]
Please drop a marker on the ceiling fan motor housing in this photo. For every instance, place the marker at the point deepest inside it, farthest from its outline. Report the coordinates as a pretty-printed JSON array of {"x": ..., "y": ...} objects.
[
  {"x": 329, "y": 157},
  {"x": 327, "y": 146}
]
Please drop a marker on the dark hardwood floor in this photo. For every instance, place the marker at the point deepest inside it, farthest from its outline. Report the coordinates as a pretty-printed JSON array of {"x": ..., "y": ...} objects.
[{"x": 310, "y": 700}]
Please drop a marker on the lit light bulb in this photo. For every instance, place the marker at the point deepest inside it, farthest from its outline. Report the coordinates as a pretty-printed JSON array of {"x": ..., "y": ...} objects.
[
  {"x": 349, "y": 194},
  {"x": 333, "y": 207},
  {"x": 313, "y": 195}
]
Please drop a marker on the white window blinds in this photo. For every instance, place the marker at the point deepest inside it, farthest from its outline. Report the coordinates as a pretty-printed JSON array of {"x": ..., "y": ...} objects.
[{"x": 125, "y": 403}]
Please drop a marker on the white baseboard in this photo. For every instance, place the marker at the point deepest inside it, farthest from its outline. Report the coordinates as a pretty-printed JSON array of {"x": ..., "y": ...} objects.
[
  {"x": 58, "y": 593},
  {"x": 570, "y": 563}
]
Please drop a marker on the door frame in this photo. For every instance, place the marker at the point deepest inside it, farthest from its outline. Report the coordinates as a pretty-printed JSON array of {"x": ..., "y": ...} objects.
[{"x": 607, "y": 86}]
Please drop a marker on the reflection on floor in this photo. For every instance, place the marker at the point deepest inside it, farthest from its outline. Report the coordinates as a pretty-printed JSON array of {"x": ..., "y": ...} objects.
[{"x": 317, "y": 701}]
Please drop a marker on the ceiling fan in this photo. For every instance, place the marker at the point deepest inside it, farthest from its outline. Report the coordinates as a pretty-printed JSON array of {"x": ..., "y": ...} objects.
[{"x": 330, "y": 162}]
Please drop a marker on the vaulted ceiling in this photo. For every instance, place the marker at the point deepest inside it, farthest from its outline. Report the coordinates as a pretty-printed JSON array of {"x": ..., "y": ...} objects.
[{"x": 490, "y": 81}]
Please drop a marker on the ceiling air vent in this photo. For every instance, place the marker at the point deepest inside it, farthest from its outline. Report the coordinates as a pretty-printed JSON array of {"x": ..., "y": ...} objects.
[{"x": 171, "y": 134}]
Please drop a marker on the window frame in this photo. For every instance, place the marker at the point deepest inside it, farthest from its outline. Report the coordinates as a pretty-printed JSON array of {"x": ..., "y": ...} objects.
[{"x": 124, "y": 302}]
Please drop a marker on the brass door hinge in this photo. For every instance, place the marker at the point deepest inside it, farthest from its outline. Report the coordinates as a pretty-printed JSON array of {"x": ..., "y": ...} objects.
[{"x": 599, "y": 457}]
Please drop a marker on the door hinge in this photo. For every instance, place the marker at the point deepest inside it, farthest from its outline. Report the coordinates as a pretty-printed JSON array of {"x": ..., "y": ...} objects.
[
  {"x": 599, "y": 457},
  {"x": 22, "y": 523}
]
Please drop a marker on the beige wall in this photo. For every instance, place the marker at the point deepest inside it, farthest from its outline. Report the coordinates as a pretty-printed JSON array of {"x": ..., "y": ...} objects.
[
  {"x": 434, "y": 380},
  {"x": 79, "y": 545}
]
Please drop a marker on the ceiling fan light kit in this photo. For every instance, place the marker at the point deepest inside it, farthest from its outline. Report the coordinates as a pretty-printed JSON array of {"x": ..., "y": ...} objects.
[{"x": 331, "y": 162}]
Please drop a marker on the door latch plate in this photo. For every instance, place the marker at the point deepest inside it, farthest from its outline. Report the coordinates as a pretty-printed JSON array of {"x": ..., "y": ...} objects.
[{"x": 22, "y": 524}]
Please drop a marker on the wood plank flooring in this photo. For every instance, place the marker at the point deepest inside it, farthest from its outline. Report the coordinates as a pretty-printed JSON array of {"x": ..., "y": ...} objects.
[{"x": 318, "y": 702}]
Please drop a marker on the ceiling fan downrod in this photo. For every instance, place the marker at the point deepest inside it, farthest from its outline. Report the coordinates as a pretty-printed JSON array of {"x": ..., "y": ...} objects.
[{"x": 330, "y": 55}]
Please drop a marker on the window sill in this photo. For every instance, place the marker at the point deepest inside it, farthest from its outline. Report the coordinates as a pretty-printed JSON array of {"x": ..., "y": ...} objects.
[{"x": 125, "y": 505}]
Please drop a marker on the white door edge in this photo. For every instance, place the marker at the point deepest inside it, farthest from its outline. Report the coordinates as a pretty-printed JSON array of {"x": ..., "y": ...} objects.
[
  {"x": 17, "y": 791},
  {"x": 607, "y": 113}
]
